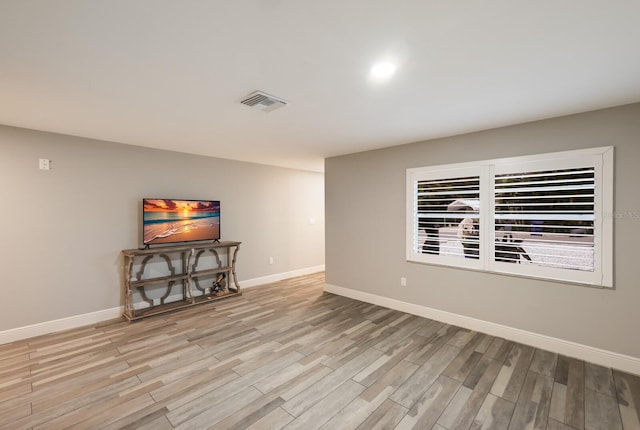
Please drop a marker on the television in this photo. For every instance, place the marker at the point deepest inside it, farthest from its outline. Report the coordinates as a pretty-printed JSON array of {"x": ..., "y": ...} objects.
[{"x": 166, "y": 221}]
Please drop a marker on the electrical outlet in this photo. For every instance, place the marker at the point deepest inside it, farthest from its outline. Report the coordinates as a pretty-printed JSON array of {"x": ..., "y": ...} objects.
[
  {"x": 403, "y": 281},
  {"x": 44, "y": 164},
  {"x": 270, "y": 260}
]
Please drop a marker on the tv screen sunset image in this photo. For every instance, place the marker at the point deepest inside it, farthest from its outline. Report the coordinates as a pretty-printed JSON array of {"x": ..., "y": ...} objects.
[{"x": 168, "y": 221}]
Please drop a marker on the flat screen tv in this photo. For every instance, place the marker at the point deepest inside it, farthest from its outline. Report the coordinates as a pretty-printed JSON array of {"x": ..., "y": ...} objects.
[{"x": 172, "y": 221}]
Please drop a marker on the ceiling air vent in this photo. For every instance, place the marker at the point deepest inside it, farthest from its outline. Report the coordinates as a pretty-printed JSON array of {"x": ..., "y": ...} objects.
[{"x": 263, "y": 101}]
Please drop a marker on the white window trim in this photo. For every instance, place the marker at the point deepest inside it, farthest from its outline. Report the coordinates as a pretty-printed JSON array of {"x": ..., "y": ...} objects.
[{"x": 603, "y": 160}]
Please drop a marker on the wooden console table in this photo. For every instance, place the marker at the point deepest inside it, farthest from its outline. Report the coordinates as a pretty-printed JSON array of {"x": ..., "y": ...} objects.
[{"x": 167, "y": 278}]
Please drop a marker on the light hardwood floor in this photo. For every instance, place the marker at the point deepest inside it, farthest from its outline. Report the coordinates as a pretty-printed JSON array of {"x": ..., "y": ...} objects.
[{"x": 287, "y": 355}]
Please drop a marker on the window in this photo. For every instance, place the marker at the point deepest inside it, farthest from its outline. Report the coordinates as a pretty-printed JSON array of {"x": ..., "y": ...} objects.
[
  {"x": 447, "y": 217},
  {"x": 540, "y": 216}
]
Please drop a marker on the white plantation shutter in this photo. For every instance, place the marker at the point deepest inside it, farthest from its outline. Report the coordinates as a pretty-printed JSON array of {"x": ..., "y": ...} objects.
[
  {"x": 447, "y": 220},
  {"x": 542, "y": 216},
  {"x": 549, "y": 218},
  {"x": 552, "y": 212}
]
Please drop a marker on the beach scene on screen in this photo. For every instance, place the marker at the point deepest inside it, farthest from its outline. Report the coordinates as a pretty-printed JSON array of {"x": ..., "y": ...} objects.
[{"x": 166, "y": 221}]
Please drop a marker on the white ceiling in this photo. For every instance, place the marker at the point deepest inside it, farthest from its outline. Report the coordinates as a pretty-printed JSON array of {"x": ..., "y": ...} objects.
[{"x": 169, "y": 74}]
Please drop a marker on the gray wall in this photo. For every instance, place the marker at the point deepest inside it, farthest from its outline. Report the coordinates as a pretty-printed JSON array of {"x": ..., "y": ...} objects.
[
  {"x": 63, "y": 229},
  {"x": 365, "y": 233}
]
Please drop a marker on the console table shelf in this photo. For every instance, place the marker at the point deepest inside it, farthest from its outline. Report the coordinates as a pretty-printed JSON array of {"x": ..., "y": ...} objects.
[
  {"x": 159, "y": 280},
  {"x": 209, "y": 272},
  {"x": 163, "y": 279}
]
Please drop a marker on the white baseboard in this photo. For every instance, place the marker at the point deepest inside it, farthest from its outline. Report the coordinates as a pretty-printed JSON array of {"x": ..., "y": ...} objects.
[
  {"x": 249, "y": 283},
  {"x": 47, "y": 327},
  {"x": 75, "y": 321},
  {"x": 583, "y": 352}
]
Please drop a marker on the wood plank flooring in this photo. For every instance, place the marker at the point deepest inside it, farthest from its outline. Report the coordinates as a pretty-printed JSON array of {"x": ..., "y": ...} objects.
[{"x": 287, "y": 355}]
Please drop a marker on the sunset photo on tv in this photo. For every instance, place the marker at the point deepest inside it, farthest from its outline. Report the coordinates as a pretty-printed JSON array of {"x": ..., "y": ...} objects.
[{"x": 170, "y": 221}]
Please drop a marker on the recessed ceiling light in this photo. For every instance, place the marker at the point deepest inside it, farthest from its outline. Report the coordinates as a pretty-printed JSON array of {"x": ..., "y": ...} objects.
[{"x": 382, "y": 70}]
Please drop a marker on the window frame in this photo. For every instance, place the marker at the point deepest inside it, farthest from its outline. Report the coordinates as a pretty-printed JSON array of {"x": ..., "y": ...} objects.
[{"x": 600, "y": 158}]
